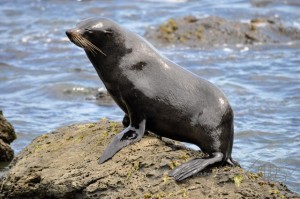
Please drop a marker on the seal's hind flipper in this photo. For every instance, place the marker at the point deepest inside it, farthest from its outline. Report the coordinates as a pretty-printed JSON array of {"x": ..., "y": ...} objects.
[
  {"x": 194, "y": 166},
  {"x": 126, "y": 137}
]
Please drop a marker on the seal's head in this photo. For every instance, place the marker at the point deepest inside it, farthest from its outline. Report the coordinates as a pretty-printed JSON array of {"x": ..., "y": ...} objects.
[{"x": 94, "y": 34}]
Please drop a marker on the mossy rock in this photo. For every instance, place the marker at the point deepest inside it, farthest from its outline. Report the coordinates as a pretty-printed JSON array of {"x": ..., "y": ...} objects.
[
  {"x": 216, "y": 31},
  {"x": 64, "y": 164}
]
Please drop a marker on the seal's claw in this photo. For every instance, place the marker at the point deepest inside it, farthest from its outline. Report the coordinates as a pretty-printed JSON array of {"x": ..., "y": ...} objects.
[{"x": 232, "y": 162}]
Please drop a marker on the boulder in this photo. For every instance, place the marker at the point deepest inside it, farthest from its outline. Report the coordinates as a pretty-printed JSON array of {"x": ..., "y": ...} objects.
[
  {"x": 64, "y": 164},
  {"x": 7, "y": 135},
  {"x": 7, "y": 132},
  {"x": 216, "y": 31},
  {"x": 6, "y": 152}
]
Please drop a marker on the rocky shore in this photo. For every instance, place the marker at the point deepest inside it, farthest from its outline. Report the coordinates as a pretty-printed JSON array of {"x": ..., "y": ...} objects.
[
  {"x": 216, "y": 31},
  {"x": 63, "y": 164},
  {"x": 7, "y": 135}
]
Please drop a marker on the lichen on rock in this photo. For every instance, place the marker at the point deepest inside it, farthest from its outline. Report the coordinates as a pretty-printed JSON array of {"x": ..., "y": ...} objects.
[{"x": 64, "y": 164}]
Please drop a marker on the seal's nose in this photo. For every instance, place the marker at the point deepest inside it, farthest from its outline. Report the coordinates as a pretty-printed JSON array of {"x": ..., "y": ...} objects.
[{"x": 68, "y": 33}]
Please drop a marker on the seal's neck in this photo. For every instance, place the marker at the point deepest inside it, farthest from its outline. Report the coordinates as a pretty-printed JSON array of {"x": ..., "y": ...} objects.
[
  {"x": 108, "y": 66},
  {"x": 102, "y": 64}
]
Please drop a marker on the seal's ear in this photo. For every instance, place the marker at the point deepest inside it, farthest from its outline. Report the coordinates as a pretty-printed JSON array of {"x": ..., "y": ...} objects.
[
  {"x": 88, "y": 30},
  {"x": 108, "y": 31}
]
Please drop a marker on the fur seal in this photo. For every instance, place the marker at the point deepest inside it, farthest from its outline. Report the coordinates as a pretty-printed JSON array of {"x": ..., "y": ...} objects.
[{"x": 156, "y": 95}]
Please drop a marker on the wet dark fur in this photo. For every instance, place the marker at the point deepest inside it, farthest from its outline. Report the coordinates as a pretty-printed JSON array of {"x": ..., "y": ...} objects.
[{"x": 148, "y": 87}]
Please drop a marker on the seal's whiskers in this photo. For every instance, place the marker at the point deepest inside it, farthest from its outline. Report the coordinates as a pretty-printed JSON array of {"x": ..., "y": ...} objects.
[
  {"x": 84, "y": 43},
  {"x": 93, "y": 46},
  {"x": 81, "y": 43},
  {"x": 89, "y": 45}
]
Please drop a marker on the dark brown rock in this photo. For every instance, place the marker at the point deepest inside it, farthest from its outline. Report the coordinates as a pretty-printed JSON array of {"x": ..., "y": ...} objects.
[
  {"x": 7, "y": 132},
  {"x": 6, "y": 153},
  {"x": 7, "y": 135},
  {"x": 63, "y": 164}
]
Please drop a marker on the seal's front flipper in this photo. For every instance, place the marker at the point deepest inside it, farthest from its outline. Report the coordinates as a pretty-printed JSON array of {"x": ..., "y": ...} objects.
[
  {"x": 126, "y": 137},
  {"x": 194, "y": 166}
]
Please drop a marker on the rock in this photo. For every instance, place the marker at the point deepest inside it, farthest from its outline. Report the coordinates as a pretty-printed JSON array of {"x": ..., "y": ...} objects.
[
  {"x": 100, "y": 95},
  {"x": 7, "y": 132},
  {"x": 7, "y": 135},
  {"x": 63, "y": 164},
  {"x": 216, "y": 31},
  {"x": 6, "y": 153},
  {"x": 103, "y": 97}
]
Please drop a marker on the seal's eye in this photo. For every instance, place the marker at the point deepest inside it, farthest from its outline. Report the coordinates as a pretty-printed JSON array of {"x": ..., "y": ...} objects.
[{"x": 88, "y": 30}]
